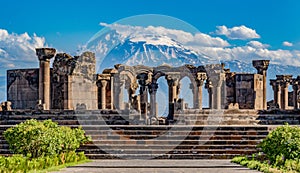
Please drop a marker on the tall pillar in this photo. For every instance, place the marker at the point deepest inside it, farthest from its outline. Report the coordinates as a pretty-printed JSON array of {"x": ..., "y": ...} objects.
[
  {"x": 262, "y": 67},
  {"x": 152, "y": 90},
  {"x": 44, "y": 56},
  {"x": 200, "y": 78},
  {"x": 295, "y": 94}
]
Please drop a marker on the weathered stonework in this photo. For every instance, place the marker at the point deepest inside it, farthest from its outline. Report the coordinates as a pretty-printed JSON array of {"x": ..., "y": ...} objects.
[
  {"x": 23, "y": 88},
  {"x": 73, "y": 84}
]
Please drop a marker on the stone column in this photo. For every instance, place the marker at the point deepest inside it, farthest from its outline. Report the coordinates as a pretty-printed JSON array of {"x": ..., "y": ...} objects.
[
  {"x": 44, "y": 55},
  {"x": 152, "y": 90},
  {"x": 295, "y": 94},
  {"x": 262, "y": 67},
  {"x": 217, "y": 81},
  {"x": 200, "y": 78},
  {"x": 208, "y": 86},
  {"x": 143, "y": 80},
  {"x": 173, "y": 83},
  {"x": 284, "y": 95},
  {"x": 118, "y": 95},
  {"x": 277, "y": 92},
  {"x": 103, "y": 84},
  {"x": 284, "y": 83}
]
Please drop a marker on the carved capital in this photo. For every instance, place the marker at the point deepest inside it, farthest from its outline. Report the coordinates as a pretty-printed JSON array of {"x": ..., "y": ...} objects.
[
  {"x": 173, "y": 79},
  {"x": 45, "y": 54},
  {"x": 261, "y": 65},
  {"x": 284, "y": 80},
  {"x": 144, "y": 78},
  {"x": 153, "y": 88},
  {"x": 200, "y": 78},
  {"x": 275, "y": 84}
]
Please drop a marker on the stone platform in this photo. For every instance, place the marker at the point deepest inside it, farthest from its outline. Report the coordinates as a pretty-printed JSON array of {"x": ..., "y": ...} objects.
[{"x": 198, "y": 138}]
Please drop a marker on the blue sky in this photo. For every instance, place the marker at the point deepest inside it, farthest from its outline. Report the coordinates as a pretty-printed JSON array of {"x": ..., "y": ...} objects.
[
  {"x": 65, "y": 24},
  {"x": 268, "y": 29}
]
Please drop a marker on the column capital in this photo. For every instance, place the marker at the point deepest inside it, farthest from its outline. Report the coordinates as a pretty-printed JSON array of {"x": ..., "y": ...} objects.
[
  {"x": 217, "y": 79},
  {"x": 45, "y": 54},
  {"x": 200, "y": 78},
  {"x": 261, "y": 65},
  {"x": 173, "y": 79},
  {"x": 284, "y": 80},
  {"x": 153, "y": 87},
  {"x": 144, "y": 78}
]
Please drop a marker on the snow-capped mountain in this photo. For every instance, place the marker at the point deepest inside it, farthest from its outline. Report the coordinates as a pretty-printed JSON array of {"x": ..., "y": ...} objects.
[{"x": 152, "y": 50}]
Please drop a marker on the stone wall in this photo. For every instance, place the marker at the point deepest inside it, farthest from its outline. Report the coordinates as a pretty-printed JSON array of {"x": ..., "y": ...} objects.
[
  {"x": 22, "y": 88},
  {"x": 249, "y": 91},
  {"x": 73, "y": 83}
]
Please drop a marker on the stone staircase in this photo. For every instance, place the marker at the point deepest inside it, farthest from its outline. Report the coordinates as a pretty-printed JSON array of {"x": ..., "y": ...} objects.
[{"x": 189, "y": 139}]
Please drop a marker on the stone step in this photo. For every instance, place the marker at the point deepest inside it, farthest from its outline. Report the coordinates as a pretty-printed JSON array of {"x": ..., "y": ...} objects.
[
  {"x": 177, "y": 137},
  {"x": 130, "y": 146},
  {"x": 161, "y": 156},
  {"x": 176, "y": 142},
  {"x": 189, "y": 133},
  {"x": 155, "y": 147},
  {"x": 167, "y": 151}
]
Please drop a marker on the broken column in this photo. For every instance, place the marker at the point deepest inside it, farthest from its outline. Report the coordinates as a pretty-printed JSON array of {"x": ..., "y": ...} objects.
[
  {"x": 262, "y": 67},
  {"x": 44, "y": 56}
]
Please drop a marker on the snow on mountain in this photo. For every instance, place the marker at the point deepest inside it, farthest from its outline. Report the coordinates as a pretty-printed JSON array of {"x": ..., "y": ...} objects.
[{"x": 153, "y": 50}]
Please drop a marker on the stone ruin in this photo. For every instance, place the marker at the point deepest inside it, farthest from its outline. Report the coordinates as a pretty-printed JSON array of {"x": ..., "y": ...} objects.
[{"x": 72, "y": 84}]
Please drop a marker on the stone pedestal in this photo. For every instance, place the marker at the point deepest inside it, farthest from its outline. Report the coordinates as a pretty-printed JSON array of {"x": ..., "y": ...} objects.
[{"x": 44, "y": 55}]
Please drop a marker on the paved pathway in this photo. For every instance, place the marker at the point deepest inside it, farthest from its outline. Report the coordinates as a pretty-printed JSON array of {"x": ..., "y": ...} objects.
[{"x": 159, "y": 166}]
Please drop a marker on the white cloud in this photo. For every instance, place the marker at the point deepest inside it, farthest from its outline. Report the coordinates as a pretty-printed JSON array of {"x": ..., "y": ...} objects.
[
  {"x": 238, "y": 32},
  {"x": 180, "y": 36},
  {"x": 286, "y": 43},
  {"x": 257, "y": 44},
  {"x": 18, "y": 50}
]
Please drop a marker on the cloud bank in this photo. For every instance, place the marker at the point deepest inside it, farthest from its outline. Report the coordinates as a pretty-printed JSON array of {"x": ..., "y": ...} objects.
[
  {"x": 18, "y": 50},
  {"x": 238, "y": 32}
]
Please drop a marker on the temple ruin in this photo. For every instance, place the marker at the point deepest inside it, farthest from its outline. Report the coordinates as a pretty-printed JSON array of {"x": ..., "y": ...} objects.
[
  {"x": 119, "y": 107},
  {"x": 72, "y": 83}
]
